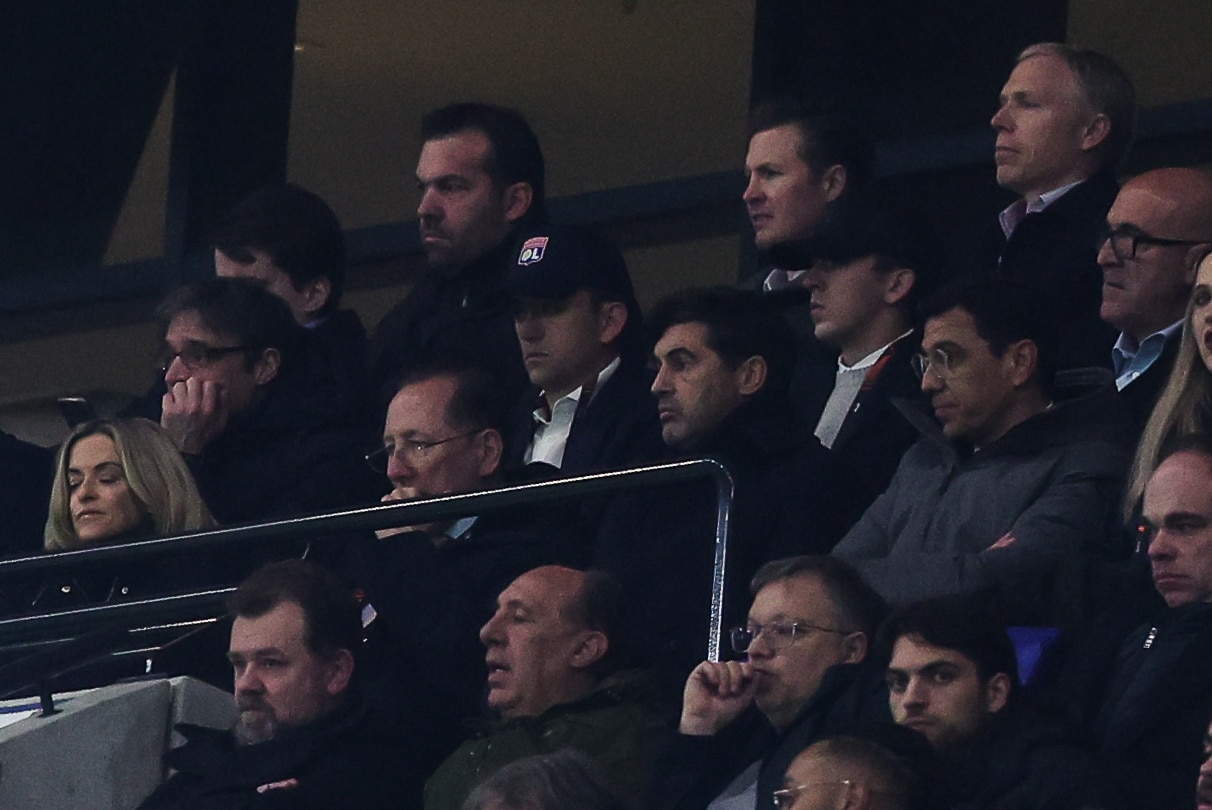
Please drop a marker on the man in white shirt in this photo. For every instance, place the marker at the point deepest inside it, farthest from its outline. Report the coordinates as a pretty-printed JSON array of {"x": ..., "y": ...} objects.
[
  {"x": 579, "y": 329},
  {"x": 868, "y": 268},
  {"x": 1158, "y": 225}
]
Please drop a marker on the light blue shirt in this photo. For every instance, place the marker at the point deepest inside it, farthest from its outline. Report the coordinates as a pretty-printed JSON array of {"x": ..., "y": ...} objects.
[{"x": 1131, "y": 363}]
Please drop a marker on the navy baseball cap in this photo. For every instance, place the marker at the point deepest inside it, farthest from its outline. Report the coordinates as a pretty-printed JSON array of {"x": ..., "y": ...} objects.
[{"x": 553, "y": 262}]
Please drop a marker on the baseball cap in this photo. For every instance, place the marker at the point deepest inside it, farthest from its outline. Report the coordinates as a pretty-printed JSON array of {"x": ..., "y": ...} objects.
[{"x": 553, "y": 262}]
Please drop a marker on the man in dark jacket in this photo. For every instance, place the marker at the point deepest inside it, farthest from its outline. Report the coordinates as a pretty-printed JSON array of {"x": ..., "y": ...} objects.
[
  {"x": 724, "y": 363},
  {"x": 868, "y": 267},
  {"x": 256, "y": 412},
  {"x": 1016, "y": 483},
  {"x": 1159, "y": 221},
  {"x": 1137, "y": 678},
  {"x": 299, "y": 741},
  {"x": 805, "y": 678},
  {"x": 1064, "y": 121},
  {"x": 288, "y": 239},
  {"x": 557, "y": 679},
  {"x": 953, "y": 676},
  {"x": 482, "y": 178},
  {"x": 581, "y": 333}
]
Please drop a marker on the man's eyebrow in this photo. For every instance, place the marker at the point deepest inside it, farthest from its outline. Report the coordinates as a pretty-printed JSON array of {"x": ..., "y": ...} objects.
[
  {"x": 680, "y": 353},
  {"x": 944, "y": 345},
  {"x": 257, "y": 653}
]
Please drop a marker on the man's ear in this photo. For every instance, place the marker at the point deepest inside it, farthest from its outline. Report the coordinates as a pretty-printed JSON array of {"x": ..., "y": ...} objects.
[
  {"x": 751, "y": 375},
  {"x": 266, "y": 368},
  {"x": 612, "y": 318},
  {"x": 341, "y": 669},
  {"x": 997, "y": 693},
  {"x": 315, "y": 294},
  {"x": 833, "y": 181},
  {"x": 1022, "y": 358},
  {"x": 854, "y": 648},
  {"x": 517, "y": 200},
  {"x": 898, "y": 283},
  {"x": 490, "y": 447},
  {"x": 1097, "y": 131},
  {"x": 590, "y": 649}
]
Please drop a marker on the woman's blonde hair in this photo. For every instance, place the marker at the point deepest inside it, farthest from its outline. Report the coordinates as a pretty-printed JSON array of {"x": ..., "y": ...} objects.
[
  {"x": 1183, "y": 408},
  {"x": 155, "y": 472}
]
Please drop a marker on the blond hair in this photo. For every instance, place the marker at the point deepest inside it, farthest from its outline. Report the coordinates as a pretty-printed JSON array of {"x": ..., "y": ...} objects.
[
  {"x": 155, "y": 472},
  {"x": 1184, "y": 407}
]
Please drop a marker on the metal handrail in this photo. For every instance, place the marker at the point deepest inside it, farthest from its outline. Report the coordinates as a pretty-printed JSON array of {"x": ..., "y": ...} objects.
[{"x": 379, "y": 516}]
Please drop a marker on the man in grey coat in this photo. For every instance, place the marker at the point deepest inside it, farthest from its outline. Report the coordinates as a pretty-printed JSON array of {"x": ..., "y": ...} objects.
[{"x": 1018, "y": 480}]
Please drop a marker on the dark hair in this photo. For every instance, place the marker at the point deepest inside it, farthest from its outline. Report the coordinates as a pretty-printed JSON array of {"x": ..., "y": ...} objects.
[
  {"x": 1105, "y": 88},
  {"x": 858, "y": 606},
  {"x": 478, "y": 401},
  {"x": 240, "y": 309},
  {"x": 564, "y": 780},
  {"x": 599, "y": 606},
  {"x": 965, "y": 624},
  {"x": 867, "y": 225},
  {"x": 515, "y": 157},
  {"x": 740, "y": 324},
  {"x": 829, "y": 137},
  {"x": 329, "y": 609},
  {"x": 295, "y": 228},
  {"x": 1004, "y": 313}
]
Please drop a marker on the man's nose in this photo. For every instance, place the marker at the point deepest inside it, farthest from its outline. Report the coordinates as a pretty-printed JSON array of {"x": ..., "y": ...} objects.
[
  {"x": 428, "y": 207},
  {"x": 248, "y": 681},
  {"x": 1001, "y": 119},
  {"x": 176, "y": 371},
  {"x": 399, "y": 468},
  {"x": 1106, "y": 254},
  {"x": 660, "y": 383},
  {"x": 490, "y": 632},
  {"x": 753, "y": 189}
]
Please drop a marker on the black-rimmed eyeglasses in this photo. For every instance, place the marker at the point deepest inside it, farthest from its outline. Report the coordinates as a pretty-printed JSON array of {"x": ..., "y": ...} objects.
[{"x": 1126, "y": 241}]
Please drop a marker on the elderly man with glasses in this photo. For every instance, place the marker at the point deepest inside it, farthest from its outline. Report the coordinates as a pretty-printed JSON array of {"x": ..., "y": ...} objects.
[
  {"x": 429, "y": 587},
  {"x": 803, "y": 676},
  {"x": 1159, "y": 225},
  {"x": 1020, "y": 478}
]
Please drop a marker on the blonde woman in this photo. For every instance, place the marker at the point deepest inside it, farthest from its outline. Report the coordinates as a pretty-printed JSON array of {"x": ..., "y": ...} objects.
[
  {"x": 1185, "y": 404},
  {"x": 120, "y": 479}
]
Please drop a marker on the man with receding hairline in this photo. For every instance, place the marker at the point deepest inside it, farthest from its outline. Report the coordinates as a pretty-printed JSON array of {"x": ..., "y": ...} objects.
[
  {"x": 1159, "y": 223},
  {"x": 556, "y": 680}
]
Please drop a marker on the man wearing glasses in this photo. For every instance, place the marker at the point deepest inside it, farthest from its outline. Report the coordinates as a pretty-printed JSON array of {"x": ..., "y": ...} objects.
[
  {"x": 428, "y": 588},
  {"x": 1017, "y": 481},
  {"x": 856, "y": 773},
  {"x": 803, "y": 677},
  {"x": 253, "y": 407},
  {"x": 1155, "y": 230}
]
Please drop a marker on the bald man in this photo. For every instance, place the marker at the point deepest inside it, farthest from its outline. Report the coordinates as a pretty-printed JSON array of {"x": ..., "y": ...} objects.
[
  {"x": 851, "y": 773},
  {"x": 555, "y": 680},
  {"x": 1159, "y": 225}
]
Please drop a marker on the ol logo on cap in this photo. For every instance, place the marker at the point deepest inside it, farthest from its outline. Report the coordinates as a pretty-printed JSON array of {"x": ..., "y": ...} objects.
[{"x": 532, "y": 250}]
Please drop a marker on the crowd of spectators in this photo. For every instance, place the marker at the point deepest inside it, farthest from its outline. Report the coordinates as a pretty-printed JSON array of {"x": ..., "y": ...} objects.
[{"x": 970, "y": 563}]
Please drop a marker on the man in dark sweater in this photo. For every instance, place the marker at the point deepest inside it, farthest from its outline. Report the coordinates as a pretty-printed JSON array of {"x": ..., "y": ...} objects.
[{"x": 300, "y": 739}]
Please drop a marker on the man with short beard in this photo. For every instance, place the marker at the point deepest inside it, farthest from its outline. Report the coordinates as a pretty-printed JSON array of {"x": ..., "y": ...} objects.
[{"x": 300, "y": 739}]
